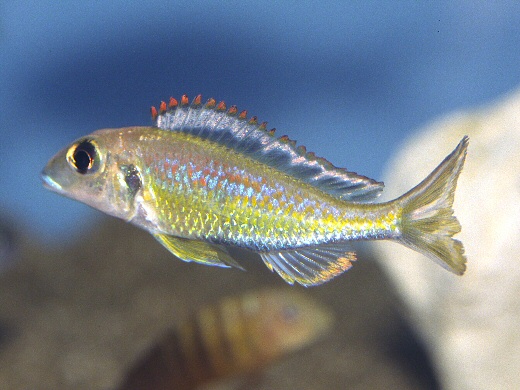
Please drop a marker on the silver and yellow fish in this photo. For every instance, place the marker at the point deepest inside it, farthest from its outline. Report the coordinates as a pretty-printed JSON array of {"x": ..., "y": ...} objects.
[{"x": 205, "y": 177}]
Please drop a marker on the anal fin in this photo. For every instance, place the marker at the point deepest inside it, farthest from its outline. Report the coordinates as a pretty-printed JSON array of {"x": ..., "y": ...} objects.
[
  {"x": 311, "y": 266},
  {"x": 197, "y": 251}
]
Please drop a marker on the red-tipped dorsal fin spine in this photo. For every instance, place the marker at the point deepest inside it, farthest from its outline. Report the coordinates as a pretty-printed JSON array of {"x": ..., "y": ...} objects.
[
  {"x": 154, "y": 112},
  {"x": 211, "y": 103},
  {"x": 162, "y": 107},
  {"x": 324, "y": 162},
  {"x": 285, "y": 139},
  {"x": 173, "y": 103},
  {"x": 272, "y": 131},
  {"x": 253, "y": 120},
  {"x": 184, "y": 100},
  {"x": 221, "y": 106},
  {"x": 197, "y": 100},
  {"x": 263, "y": 126},
  {"x": 242, "y": 115},
  {"x": 233, "y": 110}
]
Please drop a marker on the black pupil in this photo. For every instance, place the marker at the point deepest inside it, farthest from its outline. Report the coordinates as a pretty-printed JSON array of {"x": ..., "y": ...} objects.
[{"x": 84, "y": 156}]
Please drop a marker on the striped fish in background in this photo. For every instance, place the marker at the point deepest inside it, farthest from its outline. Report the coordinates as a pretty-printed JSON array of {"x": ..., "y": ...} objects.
[{"x": 239, "y": 335}]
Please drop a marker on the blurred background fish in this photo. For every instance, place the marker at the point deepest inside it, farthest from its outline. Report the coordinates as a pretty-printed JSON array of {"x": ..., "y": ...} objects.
[{"x": 239, "y": 335}]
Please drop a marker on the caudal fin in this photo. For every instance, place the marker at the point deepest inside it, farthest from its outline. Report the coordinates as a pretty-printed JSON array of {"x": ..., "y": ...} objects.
[{"x": 428, "y": 224}]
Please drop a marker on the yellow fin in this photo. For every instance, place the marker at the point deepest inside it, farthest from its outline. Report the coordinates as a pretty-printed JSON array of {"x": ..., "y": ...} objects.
[
  {"x": 198, "y": 251},
  {"x": 428, "y": 224}
]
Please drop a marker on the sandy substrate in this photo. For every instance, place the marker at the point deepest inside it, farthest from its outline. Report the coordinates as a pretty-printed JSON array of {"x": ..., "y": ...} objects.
[{"x": 78, "y": 316}]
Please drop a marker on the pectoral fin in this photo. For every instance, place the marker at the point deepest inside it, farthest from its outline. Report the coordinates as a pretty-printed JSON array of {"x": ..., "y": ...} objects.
[
  {"x": 198, "y": 251},
  {"x": 310, "y": 266}
]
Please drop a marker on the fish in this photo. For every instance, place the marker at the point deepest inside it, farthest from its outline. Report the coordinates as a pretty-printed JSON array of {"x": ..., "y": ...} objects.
[
  {"x": 239, "y": 335},
  {"x": 205, "y": 178}
]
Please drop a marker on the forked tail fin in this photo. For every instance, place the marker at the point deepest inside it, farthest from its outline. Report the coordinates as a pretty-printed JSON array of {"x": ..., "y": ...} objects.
[{"x": 428, "y": 224}]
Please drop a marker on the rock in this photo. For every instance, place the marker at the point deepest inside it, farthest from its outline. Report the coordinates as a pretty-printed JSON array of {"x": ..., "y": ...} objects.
[{"x": 470, "y": 323}]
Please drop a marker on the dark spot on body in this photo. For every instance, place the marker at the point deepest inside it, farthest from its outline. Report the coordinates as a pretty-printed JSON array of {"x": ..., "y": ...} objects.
[{"x": 132, "y": 178}]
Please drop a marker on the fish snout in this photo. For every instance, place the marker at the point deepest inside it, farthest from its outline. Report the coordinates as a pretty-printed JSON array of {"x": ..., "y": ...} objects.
[{"x": 48, "y": 181}]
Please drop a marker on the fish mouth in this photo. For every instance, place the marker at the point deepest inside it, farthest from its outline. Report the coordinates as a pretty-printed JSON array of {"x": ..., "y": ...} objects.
[{"x": 49, "y": 183}]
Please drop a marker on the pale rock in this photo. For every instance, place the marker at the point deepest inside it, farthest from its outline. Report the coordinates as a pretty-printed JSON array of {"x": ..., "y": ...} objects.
[{"x": 471, "y": 324}]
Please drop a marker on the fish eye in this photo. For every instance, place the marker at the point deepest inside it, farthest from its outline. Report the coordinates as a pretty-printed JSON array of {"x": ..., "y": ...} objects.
[
  {"x": 290, "y": 313},
  {"x": 83, "y": 156}
]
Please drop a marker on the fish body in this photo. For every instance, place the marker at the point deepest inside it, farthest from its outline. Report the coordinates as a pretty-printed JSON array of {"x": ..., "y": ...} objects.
[
  {"x": 238, "y": 335},
  {"x": 205, "y": 178},
  {"x": 200, "y": 190}
]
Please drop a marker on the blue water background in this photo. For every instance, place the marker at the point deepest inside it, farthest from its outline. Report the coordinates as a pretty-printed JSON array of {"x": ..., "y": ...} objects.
[{"x": 350, "y": 80}]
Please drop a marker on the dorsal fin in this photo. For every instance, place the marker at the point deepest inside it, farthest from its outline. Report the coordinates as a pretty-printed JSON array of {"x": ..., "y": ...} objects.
[{"x": 230, "y": 128}]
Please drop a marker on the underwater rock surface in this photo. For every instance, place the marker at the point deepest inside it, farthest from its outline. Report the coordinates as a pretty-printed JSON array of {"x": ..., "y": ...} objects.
[{"x": 470, "y": 323}]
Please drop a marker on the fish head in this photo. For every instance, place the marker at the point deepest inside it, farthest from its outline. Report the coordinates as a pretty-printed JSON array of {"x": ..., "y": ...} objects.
[
  {"x": 97, "y": 170},
  {"x": 286, "y": 320}
]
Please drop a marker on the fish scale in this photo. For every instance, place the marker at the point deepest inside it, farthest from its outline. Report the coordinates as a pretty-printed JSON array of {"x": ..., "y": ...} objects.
[{"x": 205, "y": 178}]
